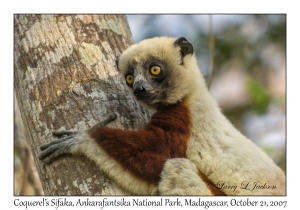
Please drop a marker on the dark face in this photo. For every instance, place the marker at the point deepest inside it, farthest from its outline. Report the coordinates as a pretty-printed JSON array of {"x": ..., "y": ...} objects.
[{"x": 147, "y": 81}]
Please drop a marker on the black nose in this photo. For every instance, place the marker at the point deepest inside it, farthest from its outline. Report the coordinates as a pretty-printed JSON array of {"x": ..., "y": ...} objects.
[{"x": 139, "y": 88}]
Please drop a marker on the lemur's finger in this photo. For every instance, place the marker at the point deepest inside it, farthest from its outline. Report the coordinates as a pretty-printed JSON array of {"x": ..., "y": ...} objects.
[
  {"x": 111, "y": 117},
  {"x": 63, "y": 133},
  {"x": 45, "y": 146},
  {"x": 47, "y": 152},
  {"x": 53, "y": 155}
]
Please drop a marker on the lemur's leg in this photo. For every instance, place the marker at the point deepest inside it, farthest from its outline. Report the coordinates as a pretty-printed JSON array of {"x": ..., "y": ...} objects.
[{"x": 181, "y": 177}]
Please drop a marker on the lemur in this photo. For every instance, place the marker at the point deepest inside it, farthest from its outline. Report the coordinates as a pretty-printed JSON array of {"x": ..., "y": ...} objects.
[{"x": 187, "y": 148}]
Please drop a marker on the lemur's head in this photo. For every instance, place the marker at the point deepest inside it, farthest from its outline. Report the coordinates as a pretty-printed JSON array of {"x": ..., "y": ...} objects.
[{"x": 160, "y": 71}]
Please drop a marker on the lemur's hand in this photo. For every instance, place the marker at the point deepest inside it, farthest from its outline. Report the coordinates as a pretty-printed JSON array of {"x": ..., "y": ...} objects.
[
  {"x": 52, "y": 150},
  {"x": 70, "y": 143}
]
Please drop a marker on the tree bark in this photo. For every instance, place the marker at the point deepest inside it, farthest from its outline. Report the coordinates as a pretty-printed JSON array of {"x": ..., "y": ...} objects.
[{"x": 65, "y": 77}]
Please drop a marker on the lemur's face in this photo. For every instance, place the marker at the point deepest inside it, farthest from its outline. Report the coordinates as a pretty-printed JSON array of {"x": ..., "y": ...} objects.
[
  {"x": 148, "y": 81},
  {"x": 153, "y": 70}
]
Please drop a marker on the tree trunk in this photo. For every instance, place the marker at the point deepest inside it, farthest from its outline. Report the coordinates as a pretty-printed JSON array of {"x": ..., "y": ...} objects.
[{"x": 66, "y": 78}]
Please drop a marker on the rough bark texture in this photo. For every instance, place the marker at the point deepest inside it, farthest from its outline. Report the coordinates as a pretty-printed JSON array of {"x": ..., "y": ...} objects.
[{"x": 66, "y": 78}]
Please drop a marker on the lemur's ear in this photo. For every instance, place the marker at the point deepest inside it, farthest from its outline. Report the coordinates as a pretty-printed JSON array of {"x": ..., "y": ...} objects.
[
  {"x": 117, "y": 64},
  {"x": 185, "y": 47}
]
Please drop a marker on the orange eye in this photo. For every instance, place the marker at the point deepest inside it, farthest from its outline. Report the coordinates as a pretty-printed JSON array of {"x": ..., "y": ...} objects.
[
  {"x": 129, "y": 79},
  {"x": 155, "y": 70}
]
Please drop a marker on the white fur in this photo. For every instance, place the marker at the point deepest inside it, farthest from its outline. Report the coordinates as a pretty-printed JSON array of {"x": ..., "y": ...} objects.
[
  {"x": 180, "y": 177},
  {"x": 221, "y": 152}
]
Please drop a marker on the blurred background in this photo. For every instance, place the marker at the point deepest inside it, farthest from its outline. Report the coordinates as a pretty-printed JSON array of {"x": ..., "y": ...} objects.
[{"x": 249, "y": 78}]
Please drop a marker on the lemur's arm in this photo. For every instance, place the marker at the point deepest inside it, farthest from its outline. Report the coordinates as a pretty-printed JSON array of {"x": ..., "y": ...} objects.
[{"x": 142, "y": 153}]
